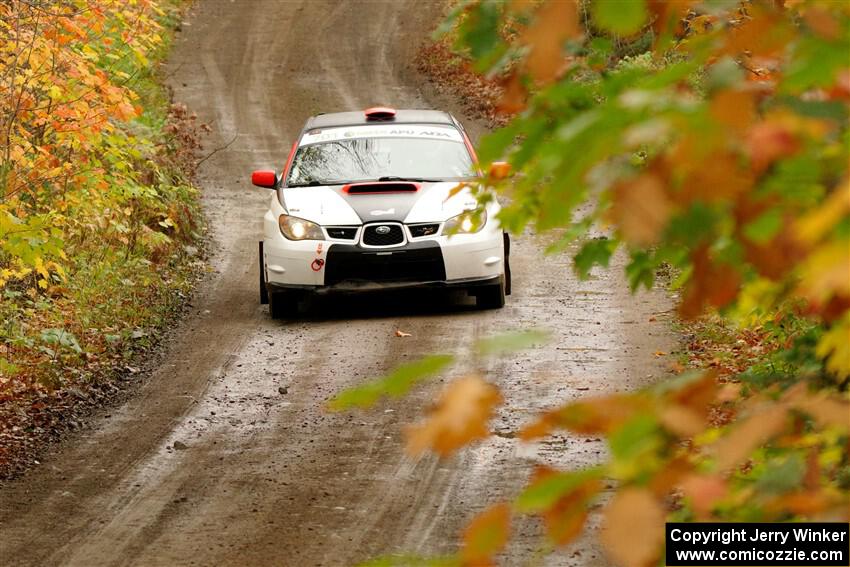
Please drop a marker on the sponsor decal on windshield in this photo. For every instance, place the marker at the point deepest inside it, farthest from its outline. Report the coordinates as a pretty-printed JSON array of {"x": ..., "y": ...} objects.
[{"x": 382, "y": 131}]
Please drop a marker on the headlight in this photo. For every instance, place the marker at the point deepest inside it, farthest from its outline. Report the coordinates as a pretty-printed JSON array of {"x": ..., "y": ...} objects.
[
  {"x": 294, "y": 228},
  {"x": 468, "y": 222}
]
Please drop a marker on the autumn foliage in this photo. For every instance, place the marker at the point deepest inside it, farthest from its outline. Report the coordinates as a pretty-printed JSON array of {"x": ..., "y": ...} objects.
[
  {"x": 95, "y": 210},
  {"x": 712, "y": 140}
]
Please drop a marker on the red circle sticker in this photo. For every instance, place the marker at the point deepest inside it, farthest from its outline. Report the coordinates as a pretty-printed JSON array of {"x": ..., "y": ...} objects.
[{"x": 317, "y": 264}]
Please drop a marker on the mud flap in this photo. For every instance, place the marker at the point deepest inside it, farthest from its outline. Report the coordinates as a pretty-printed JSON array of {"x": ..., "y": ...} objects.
[
  {"x": 264, "y": 292},
  {"x": 507, "y": 239}
]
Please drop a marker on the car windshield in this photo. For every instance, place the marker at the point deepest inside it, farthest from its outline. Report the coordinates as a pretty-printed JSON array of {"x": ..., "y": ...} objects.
[{"x": 397, "y": 158}]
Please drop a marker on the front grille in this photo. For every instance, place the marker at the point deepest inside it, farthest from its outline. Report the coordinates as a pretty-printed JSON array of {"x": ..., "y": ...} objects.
[
  {"x": 382, "y": 235},
  {"x": 344, "y": 232},
  {"x": 350, "y": 264},
  {"x": 417, "y": 230}
]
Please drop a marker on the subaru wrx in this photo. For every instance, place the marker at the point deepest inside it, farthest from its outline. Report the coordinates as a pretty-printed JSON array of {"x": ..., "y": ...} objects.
[{"x": 376, "y": 199}]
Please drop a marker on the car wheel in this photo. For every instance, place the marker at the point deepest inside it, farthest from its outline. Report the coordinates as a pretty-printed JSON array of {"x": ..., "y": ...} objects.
[
  {"x": 491, "y": 296},
  {"x": 264, "y": 293},
  {"x": 282, "y": 304}
]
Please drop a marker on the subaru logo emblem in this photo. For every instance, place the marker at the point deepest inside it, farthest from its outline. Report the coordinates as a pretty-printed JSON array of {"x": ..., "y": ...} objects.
[{"x": 383, "y": 229}]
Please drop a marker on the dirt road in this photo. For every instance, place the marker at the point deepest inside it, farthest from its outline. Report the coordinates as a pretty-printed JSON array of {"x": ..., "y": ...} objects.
[{"x": 262, "y": 477}]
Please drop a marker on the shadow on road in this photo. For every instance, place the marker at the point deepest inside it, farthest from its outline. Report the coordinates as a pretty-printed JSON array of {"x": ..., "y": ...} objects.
[{"x": 379, "y": 304}]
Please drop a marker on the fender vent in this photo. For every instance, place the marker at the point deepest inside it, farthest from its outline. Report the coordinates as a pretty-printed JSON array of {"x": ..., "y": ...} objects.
[
  {"x": 342, "y": 232},
  {"x": 372, "y": 188}
]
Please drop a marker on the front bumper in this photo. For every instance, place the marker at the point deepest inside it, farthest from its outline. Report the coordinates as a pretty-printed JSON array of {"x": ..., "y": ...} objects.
[{"x": 458, "y": 261}]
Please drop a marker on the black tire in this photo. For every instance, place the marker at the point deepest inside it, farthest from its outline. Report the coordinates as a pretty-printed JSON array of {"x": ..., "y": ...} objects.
[
  {"x": 507, "y": 238},
  {"x": 491, "y": 296},
  {"x": 264, "y": 292},
  {"x": 282, "y": 305}
]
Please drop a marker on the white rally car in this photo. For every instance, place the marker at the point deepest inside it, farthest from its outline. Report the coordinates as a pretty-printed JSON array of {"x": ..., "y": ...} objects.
[{"x": 365, "y": 201}]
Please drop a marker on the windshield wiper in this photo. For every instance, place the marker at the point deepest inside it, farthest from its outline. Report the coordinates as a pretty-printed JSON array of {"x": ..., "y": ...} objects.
[{"x": 399, "y": 178}]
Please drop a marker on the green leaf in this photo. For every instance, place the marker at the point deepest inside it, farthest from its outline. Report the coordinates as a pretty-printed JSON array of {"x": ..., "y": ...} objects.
[
  {"x": 782, "y": 476},
  {"x": 634, "y": 438},
  {"x": 619, "y": 17},
  {"x": 641, "y": 270},
  {"x": 594, "y": 252},
  {"x": 411, "y": 561},
  {"x": 764, "y": 227},
  {"x": 7, "y": 368},
  {"x": 511, "y": 342},
  {"x": 395, "y": 384},
  {"x": 61, "y": 337},
  {"x": 544, "y": 493}
]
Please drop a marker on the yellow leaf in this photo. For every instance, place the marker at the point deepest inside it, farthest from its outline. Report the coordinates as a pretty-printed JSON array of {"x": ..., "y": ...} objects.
[
  {"x": 633, "y": 531},
  {"x": 461, "y": 416},
  {"x": 823, "y": 219},
  {"x": 834, "y": 346},
  {"x": 826, "y": 272},
  {"x": 40, "y": 268},
  {"x": 455, "y": 190}
]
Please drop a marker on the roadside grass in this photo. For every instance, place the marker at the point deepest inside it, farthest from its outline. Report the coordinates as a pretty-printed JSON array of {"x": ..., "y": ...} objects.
[{"x": 132, "y": 258}]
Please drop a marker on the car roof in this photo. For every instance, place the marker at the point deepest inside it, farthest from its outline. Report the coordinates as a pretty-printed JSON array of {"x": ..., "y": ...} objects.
[{"x": 359, "y": 117}]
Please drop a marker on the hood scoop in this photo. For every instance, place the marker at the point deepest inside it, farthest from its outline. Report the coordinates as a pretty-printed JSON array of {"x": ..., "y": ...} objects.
[{"x": 373, "y": 188}]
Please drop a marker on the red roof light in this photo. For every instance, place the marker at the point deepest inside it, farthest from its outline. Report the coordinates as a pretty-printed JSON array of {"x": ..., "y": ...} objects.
[{"x": 380, "y": 113}]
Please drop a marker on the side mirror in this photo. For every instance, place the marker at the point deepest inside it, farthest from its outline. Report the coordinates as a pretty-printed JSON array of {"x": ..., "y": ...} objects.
[
  {"x": 500, "y": 170},
  {"x": 264, "y": 178}
]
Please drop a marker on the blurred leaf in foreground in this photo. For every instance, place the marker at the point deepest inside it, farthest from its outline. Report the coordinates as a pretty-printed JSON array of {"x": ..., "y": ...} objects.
[
  {"x": 461, "y": 416},
  {"x": 397, "y": 383},
  {"x": 511, "y": 342}
]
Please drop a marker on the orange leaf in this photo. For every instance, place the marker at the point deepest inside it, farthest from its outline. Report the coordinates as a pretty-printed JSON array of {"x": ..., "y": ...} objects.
[
  {"x": 768, "y": 141},
  {"x": 711, "y": 283},
  {"x": 592, "y": 416},
  {"x": 713, "y": 177},
  {"x": 827, "y": 411},
  {"x": 641, "y": 209},
  {"x": 704, "y": 492},
  {"x": 461, "y": 416},
  {"x": 668, "y": 15},
  {"x": 486, "y": 535},
  {"x": 553, "y": 23},
  {"x": 499, "y": 170},
  {"x": 566, "y": 518},
  {"x": 766, "y": 33},
  {"x": 749, "y": 434},
  {"x": 681, "y": 420},
  {"x": 735, "y": 109},
  {"x": 633, "y": 532},
  {"x": 514, "y": 96},
  {"x": 669, "y": 476}
]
